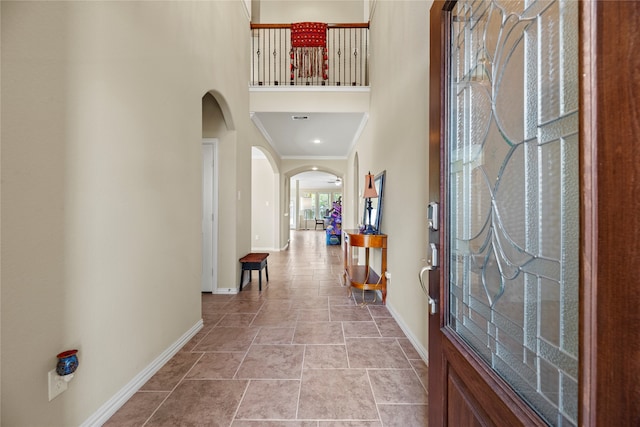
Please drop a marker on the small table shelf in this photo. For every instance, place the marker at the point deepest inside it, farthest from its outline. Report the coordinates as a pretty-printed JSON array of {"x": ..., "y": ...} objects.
[{"x": 363, "y": 276}]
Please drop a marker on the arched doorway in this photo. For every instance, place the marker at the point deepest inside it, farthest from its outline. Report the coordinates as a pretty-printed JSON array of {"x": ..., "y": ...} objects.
[
  {"x": 265, "y": 202},
  {"x": 216, "y": 126},
  {"x": 313, "y": 192}
]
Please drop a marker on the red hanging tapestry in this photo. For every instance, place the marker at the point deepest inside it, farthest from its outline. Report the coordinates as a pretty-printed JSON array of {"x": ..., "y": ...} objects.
[{"x": 309, "y": 50}]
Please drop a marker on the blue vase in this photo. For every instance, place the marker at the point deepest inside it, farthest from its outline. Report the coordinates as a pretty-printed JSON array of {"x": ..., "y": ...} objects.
[{"x": 67, "y": 362}]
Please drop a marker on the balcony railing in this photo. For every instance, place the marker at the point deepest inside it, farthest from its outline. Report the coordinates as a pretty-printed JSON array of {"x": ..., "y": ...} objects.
[{"x": 347, "y": 57}]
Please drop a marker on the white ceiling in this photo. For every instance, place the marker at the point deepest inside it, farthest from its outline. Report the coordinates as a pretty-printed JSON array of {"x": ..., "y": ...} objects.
[
  {"x": 294, "y": 139},
  {"x": 316, "y": 180},
  {"x": 311, "y": 180}
]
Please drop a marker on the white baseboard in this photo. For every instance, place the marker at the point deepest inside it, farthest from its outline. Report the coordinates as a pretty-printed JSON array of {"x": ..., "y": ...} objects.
[
  {"x": 258, "y": 249},
  {"x": 225, "y": 291},
  {"x": 107, "y": 410},
  {"x": 424, "y": 354}
]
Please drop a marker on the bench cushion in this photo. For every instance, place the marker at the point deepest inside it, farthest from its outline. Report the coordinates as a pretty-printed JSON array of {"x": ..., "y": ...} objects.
[{"x": 254, "y": 257}]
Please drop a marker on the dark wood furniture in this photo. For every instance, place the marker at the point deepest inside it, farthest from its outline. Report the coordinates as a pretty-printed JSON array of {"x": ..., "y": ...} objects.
[
  {"x": 363, "y": 276},
  {"x": 254, "y": 261}
]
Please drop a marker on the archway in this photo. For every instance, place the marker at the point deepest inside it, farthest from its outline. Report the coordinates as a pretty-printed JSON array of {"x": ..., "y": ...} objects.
[
  {"x": 217, "y": 126},
  {"x": 265, "y": 201},
  {"x": 312, "y": 192}
]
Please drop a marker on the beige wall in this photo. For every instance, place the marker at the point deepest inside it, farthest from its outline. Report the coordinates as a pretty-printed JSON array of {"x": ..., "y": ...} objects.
[
  {"x": 101, "y": 188},
  {"x": 269, "y": 170},
  {"x": 330, "y": 11},
  {"x": 264, "y": 208},
  {"x": 0, "y": 239},
  {"x": 102, "y": 123},
  {"x": 395, "y": 140}
]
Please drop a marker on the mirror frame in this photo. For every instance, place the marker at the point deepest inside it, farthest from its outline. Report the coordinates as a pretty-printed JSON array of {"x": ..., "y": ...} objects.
[{"x": 377, "y": 203}]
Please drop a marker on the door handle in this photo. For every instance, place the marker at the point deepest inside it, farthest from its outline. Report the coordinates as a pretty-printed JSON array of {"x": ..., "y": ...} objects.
[
  {"x": 433, "y": 303},
  {"x": 432, "y": 261}
]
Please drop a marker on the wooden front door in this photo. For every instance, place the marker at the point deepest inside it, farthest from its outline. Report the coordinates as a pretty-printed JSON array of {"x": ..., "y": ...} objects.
[{"x": 533, "y": 155}]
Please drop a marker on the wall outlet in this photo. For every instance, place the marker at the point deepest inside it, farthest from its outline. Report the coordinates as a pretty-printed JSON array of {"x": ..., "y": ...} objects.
[
  {"x": 257, "y": 237},
  {"x": 387, "y": 275},
  {"x": 57, "y": 384}
]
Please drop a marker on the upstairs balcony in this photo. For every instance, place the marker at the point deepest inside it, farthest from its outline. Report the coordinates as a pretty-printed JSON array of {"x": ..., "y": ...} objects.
[{"x": 326, "y": 55}]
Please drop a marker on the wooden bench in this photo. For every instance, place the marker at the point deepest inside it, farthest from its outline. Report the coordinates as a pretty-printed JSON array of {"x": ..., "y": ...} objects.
[{"x": 254, "y": 261}]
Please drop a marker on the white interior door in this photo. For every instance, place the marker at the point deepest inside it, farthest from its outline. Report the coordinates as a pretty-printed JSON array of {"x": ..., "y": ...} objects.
[{"x": 209, "y": 216}]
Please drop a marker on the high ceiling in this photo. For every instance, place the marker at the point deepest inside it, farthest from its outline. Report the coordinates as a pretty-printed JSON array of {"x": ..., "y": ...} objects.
[{"x": 310, "y": 135}]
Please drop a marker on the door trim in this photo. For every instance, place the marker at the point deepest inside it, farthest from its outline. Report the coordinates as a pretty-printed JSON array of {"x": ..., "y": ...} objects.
[
  {"x": 213, "y": 142},
  {"x": 609, "y": 225},
  {"x": 451, "y": 356},
  {"x": 588, "y": 225},
  {"x": 437, "y": 69},
  {"x": 609, "y": 340}
]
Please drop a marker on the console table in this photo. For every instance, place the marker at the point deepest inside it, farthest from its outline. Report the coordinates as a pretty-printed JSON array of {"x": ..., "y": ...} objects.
[{"x": 363, "y": 276}]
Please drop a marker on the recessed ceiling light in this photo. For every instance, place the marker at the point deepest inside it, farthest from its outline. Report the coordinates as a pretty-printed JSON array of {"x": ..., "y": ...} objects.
[
  {"x": 316, "y": 141},
  {"x": 315, "y": 168}
]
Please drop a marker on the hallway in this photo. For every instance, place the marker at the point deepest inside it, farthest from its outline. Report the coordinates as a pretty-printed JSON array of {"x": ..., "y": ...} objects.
[{"x": 299, "y": 353}]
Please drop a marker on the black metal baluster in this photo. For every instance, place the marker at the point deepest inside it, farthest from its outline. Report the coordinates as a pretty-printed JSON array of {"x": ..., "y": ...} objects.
[
  {"x": 354, "y": 55},
  {"x": 366, "y": 64},
  {"x": 274, "y": 54},
  {"x": 339, "y": 55},
  {"x": 263, "y": 63},
  {"x": 347, "y": 49},
  {"x": 253, "y": 66},
  {"x": 260, "y": 82},
  {"x": 360, "y": 62}
]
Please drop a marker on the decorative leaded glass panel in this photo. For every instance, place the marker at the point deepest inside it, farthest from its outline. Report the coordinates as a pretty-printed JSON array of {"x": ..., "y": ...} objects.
[{"x": 513, "y": 186}]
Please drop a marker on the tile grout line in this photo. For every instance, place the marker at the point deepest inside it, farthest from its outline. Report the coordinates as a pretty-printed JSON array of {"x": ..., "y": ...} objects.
[{"x": 174, "y": 387}]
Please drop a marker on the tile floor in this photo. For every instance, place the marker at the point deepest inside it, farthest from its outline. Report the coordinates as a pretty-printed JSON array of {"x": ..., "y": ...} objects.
[{"x": 301, "y": 353}]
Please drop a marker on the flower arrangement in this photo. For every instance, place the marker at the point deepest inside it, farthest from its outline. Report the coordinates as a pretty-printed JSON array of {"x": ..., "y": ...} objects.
[{"x": 334, "y": 229}]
